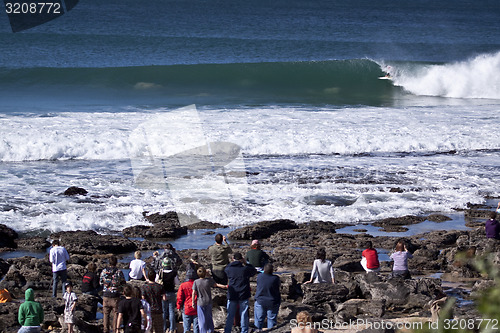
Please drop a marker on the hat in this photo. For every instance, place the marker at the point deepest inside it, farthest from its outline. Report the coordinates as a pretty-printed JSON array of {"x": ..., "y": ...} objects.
[
  {"x": 255, "y": 242},
  {"x": 237, "y": 256},
  {"x": 68, "y": 284},
  {"x": 194, "y": 256},
  {"x": 166, "y": 263}
]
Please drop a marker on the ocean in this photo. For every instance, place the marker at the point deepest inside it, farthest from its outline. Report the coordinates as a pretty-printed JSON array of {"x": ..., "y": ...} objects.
[{"x": 237, "y": 112}]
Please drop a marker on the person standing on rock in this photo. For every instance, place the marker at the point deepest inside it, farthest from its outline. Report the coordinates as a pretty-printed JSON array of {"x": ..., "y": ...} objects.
[
  {"x": 370, "y": 258},
  {"x": 172, "y": 254},
  {"x": 238, "y": 292},
  {"x": 154, "y": 293},
  {"x": 219, "y": 254},
  {"x": 400, "y": 258},
  {"x": 185, "y": 306},
  {"x": 70, "y": 300},
  {"x": 90, "y": 282},
  {"x": 492, "y": 227},
  {"x": 137, "y": 267},
  {"x": 322, "y": 271},
  {"x": 30, "y": 314},
  {"x": 58, "y": 257},
  {"x": 130, "y": 311},
  {"x": 112, "y": 281},
  {"x": 256, "y": 257},
  {"x": 267, "y": 298}
]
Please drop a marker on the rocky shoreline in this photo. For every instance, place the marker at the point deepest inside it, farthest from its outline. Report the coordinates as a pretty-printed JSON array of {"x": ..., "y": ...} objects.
[{"x": 292, "y": 246}]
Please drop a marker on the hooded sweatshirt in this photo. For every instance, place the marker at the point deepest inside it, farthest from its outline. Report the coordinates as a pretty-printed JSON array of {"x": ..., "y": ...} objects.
[{"x": 30, "y": 312}]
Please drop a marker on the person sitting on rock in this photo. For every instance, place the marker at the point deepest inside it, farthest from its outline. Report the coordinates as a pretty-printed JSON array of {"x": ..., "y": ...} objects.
[
  {"x": 370, "y": 261},
  {"x": 137, "y": 268},
  {"x": 30, "y": 314},
  {"x": 322, "y": 269},
  {"x": 492, "y": 227},
  {"x": 304, "y": 323},
  {"x": 256, "y": 257},
  {"x": 400, "y": 258}
]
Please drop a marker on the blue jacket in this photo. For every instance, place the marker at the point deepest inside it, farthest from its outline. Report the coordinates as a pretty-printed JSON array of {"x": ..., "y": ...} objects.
[
  {"x": 239, "y": 280},
  {"x": 268, "y": 290}
]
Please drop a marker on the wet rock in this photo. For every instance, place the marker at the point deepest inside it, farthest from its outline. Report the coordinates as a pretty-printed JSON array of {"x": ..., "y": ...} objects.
[
  {"x": 35, "y": 244},
  {"x": 164, "y": 226},
  {"x": 397, "y": 223},
  {"x": 89, "y": 242},
  {"x": 74, "y": 190},
  {"x": 7, "y": 237},
  {"x": 8, "y": 317},
  {"x": 205, "y": 225},
  {"x": 261, "y": 230},
  {"x": 438, "y": 218}
]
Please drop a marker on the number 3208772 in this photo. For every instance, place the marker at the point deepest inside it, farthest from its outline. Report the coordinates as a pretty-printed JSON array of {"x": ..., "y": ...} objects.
[{"x": 33, "y": 8}]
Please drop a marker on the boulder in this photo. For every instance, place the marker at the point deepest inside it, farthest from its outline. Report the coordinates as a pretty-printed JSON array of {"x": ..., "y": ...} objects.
[
  {"x": 90, "y": 242},
  {"x": 353, "y": 309},
  {"x": 261, "y": 230},
  {"x": 74, "y": 190},
  {"x": 205, "y": 225},
  {"x": 397, "y": 223},
  {"x": 34, "y": 244},
  {"x": 321, "y": 294},
  {"x": 164, "y": 226},
  {"x": 7, "y": 237}
]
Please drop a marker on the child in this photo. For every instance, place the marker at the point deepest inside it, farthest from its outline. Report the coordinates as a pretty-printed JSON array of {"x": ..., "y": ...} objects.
[
  {"x": 70, "y": 300},
  {"x": 184, "y": 300},
  {"x": 130, "y": 312},
  {"x": 202, "y": 288},
  {"x": 370, "y": 258},
  {"x": 146, "y": 325},
  {"x": 304, "y": 323}
]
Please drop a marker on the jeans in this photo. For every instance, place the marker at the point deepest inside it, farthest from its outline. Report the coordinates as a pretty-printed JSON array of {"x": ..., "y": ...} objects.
[
  {"x": 188, "y": 320},
  {"x": 169, "y": 309},
  {"x": 261, "y": 311},
  {"x": 205, "y": 320},
  {"x": 63, "y": 276},
  {"x": 231, "y": 313},
  {"x": 29, "y": 329}
]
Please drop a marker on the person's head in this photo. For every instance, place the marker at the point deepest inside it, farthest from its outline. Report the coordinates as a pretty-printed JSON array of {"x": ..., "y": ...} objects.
[
  {"x": 92, "y": 267},
  {"x": 137, "y": 292},
  {"x": 369, "y": 245},
  {"x": 156, "y": 254},
  {"x": 304, "y": 317},
  {"x": 194, "y": 256},
  {"x": 169, "y": 246},
  {"x": 128, "y": 290},
  {"x": 202, "y": 272},
  {"x": 56, "y": 242},
  {"x": 218, "y": 238},
  {"x": 268, "y": 269},
  {"x": 321, "y": 254},
  {"x": 113, "y": 261},
  {"x": 151, "y": 275},
  {"x": 255, "y": 244},
  {"x": 29, "y": 294},
  {"x": 237, "y": 256},
  {"x": 400, "y": 246},
  {"x": 492, "y": 215},
  {"x": 68, "y": 286},
  {"x": 137, "y": 255}
]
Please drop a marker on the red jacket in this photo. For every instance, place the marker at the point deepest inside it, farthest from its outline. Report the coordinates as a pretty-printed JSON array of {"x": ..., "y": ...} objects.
[
  {"x": 371, "y": 258},
  {"x": 184, "y": 296}
]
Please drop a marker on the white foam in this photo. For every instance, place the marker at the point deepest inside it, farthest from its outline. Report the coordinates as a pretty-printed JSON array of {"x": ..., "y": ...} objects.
[
  {"x": 281, "y": 131},
  {"x": 475, "y": 78}
]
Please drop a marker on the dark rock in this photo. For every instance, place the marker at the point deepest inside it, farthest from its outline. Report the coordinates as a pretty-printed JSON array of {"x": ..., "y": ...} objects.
[
  {"x": 205, "y": 225},
  {"x": 209, "y": 233},
  {"x": 438, "y": 218},
  {"x": 320, "y": 294},
  {"x": 318, "y": 227},
  {"x": 396, "y": 190},
  {"x": 261, "y": 230},
  {"x": 360, "y": 230},
  {"x": 35, "y": 244},
  {"x": 289, "y": 288},
  {"x": 398, "y": 221},
  {"x": 7, "y": 237},
  {"x": 349, "y": 262},
  {"x": 4, "y": 268},
  {"x": 164, "y": 226},
  {"x": 89, "y": 242},
  {"x": 73, "y": 190},
  {"x": 8, "y": 317}
]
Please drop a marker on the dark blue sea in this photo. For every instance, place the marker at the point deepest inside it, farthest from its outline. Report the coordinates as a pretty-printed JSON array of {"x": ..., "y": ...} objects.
[{"x": 237, "y": 112}]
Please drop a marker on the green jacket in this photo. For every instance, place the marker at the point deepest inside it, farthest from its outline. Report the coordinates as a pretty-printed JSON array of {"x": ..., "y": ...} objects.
[
  {"x": 219, "y": 255},
  {"x": 30, "y": 312}
]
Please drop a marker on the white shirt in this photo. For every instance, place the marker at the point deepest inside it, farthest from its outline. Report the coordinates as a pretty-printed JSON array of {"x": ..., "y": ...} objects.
[
  {"x": 58, "y": 257},
  {"x": 322, "y": 271},
  {"x": 136, "y": 267}
]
